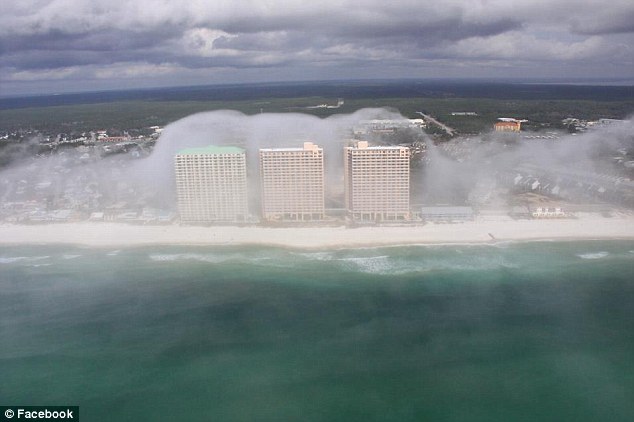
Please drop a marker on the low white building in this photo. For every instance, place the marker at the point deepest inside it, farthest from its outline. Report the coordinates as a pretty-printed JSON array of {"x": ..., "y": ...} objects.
[
  {"x": 447, "y": 214},
  {"x": 543, "y": 212}
]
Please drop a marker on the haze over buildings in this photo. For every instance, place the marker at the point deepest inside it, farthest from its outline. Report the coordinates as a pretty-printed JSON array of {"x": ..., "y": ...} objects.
[{"x": 492, "y": 171}]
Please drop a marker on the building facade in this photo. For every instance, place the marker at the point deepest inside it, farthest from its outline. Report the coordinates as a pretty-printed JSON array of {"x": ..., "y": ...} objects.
[
  {"x": 447, "y": 214},
  {"x": 211, "y": 184},
  {"x": 377, "y": 182},
  {"x": 292, "y": 183},
  {"x": 507, "y": 126}
]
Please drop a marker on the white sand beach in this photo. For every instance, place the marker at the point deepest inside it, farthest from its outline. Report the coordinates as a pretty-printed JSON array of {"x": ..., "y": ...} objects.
[{"x": 484, "y": 230}]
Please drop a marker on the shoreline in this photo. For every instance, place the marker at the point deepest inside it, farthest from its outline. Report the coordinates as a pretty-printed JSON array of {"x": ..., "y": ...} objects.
[{"x": 481, "y": 231}]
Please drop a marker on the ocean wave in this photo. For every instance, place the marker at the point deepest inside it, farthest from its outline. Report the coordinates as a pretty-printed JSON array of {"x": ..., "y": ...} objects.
[
  {"x": 114, "y": 253},
  {"x": 318, "y": 256},
  {"x": 593, "y": 255},
  {"x": 219, "y": 258},
  {"x": 12, "y": 259},
  {"x": 70, "y": 256},
  {"x": 503, "y": 244},
  {"x": 398, "y": 264},
  {"x": 373, "y": 264},
  {"x": 188, "y": 257},
  {"x": 486, "y": 263}
]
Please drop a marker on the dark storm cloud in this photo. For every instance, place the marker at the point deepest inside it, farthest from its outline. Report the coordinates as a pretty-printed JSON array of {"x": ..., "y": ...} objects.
[
  {"x": 36, "y": 59},
  {"x": 621, "y": 23},
  {"x": 448, "y": 29},
  {"x": 100, "y": 40},
  {"x": 233, "y": 62},
  {"x": 56, "y": 34},
  {"x": 379, "y": 26}
]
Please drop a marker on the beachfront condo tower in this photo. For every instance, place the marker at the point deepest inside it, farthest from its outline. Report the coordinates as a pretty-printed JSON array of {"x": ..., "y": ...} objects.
[
  {"x": 376, "y": 182},
  {"x": 211, "y": 184},
  {"x": 292, "y": 182}
]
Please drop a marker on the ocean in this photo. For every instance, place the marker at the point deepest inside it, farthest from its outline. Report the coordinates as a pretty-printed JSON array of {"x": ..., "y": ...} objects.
[{"x": 534, "y": 331}]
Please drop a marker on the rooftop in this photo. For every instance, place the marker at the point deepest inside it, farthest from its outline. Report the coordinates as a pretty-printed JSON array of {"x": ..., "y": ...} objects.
[
  {"x": 361, "y": 145},
  {"x": 308, "y": 146},
  {"x": 211, "y": 150}
]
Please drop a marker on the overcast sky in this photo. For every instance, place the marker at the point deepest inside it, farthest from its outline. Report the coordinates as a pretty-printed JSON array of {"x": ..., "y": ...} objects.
[{"x": 73, "y": 45}]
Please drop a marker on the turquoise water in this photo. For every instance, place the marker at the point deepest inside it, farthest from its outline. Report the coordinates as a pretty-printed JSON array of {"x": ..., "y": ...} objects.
[{"x": 515, "y": 331}]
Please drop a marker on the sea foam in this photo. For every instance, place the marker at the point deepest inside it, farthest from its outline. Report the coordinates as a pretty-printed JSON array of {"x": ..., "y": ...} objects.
[
  {"x": 593, "y": 255},
  {"x": 12, "y": 259},
  {"x": 187, "y": 257}
]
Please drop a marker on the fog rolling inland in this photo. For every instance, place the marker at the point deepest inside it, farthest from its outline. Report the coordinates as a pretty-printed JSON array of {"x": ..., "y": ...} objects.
[
  {"x": 447, "y": 172},
  {"x": 96, "y": 178},
  {"x": 443, "y": 172},
  {"x": 601, "y": 157},
  {"x": 268, "y": 130}
]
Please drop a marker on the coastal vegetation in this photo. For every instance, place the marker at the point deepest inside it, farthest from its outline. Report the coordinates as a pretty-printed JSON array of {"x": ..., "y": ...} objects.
[{"x": 544, "y": 106}]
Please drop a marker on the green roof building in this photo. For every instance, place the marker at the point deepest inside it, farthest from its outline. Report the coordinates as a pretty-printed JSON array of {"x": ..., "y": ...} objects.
[{"x": 211, "y": 184}]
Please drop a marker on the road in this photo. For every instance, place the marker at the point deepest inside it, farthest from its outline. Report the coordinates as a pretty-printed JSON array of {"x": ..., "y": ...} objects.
[{"x": 443, "y": 126}]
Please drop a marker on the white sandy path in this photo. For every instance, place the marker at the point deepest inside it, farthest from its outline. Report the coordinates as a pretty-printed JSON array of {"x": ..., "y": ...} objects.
[{"x": 113, "y": 234}]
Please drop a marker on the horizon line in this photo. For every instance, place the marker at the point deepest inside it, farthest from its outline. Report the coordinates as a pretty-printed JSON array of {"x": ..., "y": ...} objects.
[{"x": 605, "y": 82}]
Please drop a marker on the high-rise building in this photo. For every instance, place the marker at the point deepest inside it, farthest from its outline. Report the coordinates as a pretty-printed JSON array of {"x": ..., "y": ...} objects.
[
  {"x": 377, "y": 182},
  {"x": 211, "y": 184},
  {"x": 292, "y": 181}
]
